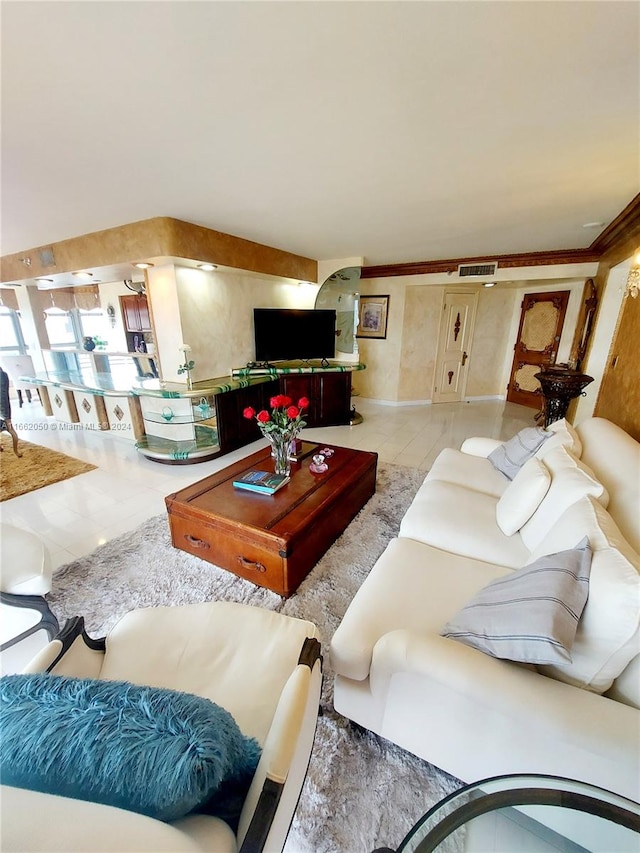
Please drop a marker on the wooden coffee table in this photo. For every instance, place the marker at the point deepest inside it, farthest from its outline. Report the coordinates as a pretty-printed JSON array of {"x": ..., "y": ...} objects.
[{"x": 272, "y": 540}]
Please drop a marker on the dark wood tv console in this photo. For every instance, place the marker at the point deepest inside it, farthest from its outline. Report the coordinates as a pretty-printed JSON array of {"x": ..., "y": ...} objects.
[
  {"x": 327, "y": 386},
  {"x": 328, "y": 389}
]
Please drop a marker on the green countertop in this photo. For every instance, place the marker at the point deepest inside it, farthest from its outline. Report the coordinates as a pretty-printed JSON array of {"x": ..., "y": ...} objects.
[
  {"x": 107, "y": 384},
  {"x": 86, "y": 380},
  {"x": 122, "y": 383},
  {"x": 282, "y": 368}
]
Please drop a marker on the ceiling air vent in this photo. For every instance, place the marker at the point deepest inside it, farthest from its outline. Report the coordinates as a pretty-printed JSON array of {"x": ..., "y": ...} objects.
[{"x": 477, "y": 270}]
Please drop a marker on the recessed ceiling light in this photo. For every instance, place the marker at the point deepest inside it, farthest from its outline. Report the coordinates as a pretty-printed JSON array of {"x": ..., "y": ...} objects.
[
  {"x": 47, "y": 280},
  {"x": 83, "y": 274},
  {"x": 207, "y": 267},
  {"x": 489, "y": 284},
  {"x": 143, "y": 265},
  {"x": 593, "y": 224}
]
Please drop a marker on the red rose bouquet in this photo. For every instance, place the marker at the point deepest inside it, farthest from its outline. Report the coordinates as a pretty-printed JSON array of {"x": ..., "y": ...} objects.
[{"x": 280, "y": 426}]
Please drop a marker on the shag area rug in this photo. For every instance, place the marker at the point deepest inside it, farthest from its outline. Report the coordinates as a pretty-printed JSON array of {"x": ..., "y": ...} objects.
[
  {"x": 37, "y": 467},
  {"x": 361, "y": 791}
]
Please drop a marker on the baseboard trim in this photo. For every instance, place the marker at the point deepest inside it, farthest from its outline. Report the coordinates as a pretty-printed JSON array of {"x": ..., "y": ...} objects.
[
  {"x": 397, "y": 402},
  {"x": 486, "y": 397},
  {"x": 430, "y": 402}
]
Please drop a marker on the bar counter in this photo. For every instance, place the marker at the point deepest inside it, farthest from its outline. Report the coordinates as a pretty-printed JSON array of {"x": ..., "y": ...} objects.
[{"x": 203, "y": 419}]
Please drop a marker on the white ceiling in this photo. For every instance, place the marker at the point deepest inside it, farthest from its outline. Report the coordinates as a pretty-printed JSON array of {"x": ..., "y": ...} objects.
[{"x": 399, "y": 131}]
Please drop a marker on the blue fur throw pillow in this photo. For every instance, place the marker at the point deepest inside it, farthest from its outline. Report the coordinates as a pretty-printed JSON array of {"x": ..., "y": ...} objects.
[{"x": 146, "y": 749}]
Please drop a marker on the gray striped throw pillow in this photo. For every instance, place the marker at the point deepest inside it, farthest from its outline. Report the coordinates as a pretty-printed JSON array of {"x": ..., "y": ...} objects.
[
  {"x": 511, "y": 456},
  {"x": 531, "y": 615}
]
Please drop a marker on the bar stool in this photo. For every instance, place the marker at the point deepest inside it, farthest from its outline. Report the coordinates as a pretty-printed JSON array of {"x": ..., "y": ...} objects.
[{"x": 25, "y": 577}]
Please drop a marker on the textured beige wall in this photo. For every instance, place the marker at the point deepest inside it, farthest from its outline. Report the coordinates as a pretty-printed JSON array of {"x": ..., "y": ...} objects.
[
  {"x": 380, "y": 380},
  {"x": 216, "y": 314},
  {"x": 422, "y": 313},
  {"x": 619, "y": 398},
  {"x": 213, "y": 313},
  {"x": 491, "y": 341},
  {"x": 401, "y": 369}
]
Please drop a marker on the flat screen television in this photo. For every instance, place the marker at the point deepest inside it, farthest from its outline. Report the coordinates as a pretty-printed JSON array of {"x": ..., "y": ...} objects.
[{"x": 294, "y": 333}]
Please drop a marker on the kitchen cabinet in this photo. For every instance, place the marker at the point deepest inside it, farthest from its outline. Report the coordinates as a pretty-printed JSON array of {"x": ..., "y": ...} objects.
[{"x": 135, "y": 312}]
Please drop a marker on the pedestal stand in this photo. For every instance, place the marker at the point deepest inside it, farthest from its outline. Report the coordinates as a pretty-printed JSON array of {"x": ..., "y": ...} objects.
[{"x": 559, "y": 386}]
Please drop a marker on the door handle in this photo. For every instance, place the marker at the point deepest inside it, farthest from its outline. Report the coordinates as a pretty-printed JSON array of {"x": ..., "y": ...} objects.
[{"x": 464, "y": 358}]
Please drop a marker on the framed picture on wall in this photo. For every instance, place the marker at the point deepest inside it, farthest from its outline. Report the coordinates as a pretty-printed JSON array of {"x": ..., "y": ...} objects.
[{"x": 373, "y": 317}]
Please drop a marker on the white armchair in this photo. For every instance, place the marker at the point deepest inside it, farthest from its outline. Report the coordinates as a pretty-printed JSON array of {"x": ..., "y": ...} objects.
[
  {"x": 26, "y": 623},
  {"x": 262, "y": 667}
]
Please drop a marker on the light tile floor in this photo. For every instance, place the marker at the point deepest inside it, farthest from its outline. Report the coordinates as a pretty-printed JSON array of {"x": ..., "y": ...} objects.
[{"x": 75, "y": 516}]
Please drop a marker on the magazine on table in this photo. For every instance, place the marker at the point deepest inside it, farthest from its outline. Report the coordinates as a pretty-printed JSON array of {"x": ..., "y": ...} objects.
[{"x": 265, "y": 482}]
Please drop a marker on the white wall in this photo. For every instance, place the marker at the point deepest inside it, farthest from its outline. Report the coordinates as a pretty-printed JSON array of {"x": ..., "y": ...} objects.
[
  {"x": 162, "y": 297},
  {"x": 30, "y": 321}
]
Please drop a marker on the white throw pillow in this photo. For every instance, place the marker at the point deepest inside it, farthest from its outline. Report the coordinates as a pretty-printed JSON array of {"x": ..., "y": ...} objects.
[
  {"x": 531, "y": 615},
  {"x": 522, "y": 496},
  {"x": 608, "y": 635},
  {"x": 561, "y": 434},
  {"x": 570, "y": 481}
]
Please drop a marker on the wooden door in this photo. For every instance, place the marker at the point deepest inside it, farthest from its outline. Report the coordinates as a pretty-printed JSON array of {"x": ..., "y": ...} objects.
[
  {"x": 541, "y": 322},
  {"x": 454, "y": 344}
]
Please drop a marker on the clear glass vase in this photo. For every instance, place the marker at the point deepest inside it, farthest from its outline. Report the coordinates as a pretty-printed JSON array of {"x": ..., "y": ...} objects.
[{"x": 280, "y": 453}]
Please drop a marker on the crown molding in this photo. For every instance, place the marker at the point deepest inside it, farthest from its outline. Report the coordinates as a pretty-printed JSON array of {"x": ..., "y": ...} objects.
[
  {"x": 621, "y": 238},
  {"x": 524, "y": 259}
]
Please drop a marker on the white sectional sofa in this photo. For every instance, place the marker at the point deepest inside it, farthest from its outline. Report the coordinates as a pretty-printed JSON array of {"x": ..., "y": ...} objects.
[{"x": 472, "y": 714}]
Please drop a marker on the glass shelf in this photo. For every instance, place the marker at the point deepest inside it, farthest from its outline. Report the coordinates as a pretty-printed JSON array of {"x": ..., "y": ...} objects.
[
  {"x": 196, "y": 417},
  {"x": 205, "y": 446}
]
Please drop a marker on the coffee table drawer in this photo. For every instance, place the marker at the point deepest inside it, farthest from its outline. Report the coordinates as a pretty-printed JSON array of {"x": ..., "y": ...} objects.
[{"x": 240, "y": 556}]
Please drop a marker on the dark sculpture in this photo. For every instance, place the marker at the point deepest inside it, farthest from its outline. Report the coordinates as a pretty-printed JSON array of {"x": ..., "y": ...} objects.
[{"x": 5, "y": 411}]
